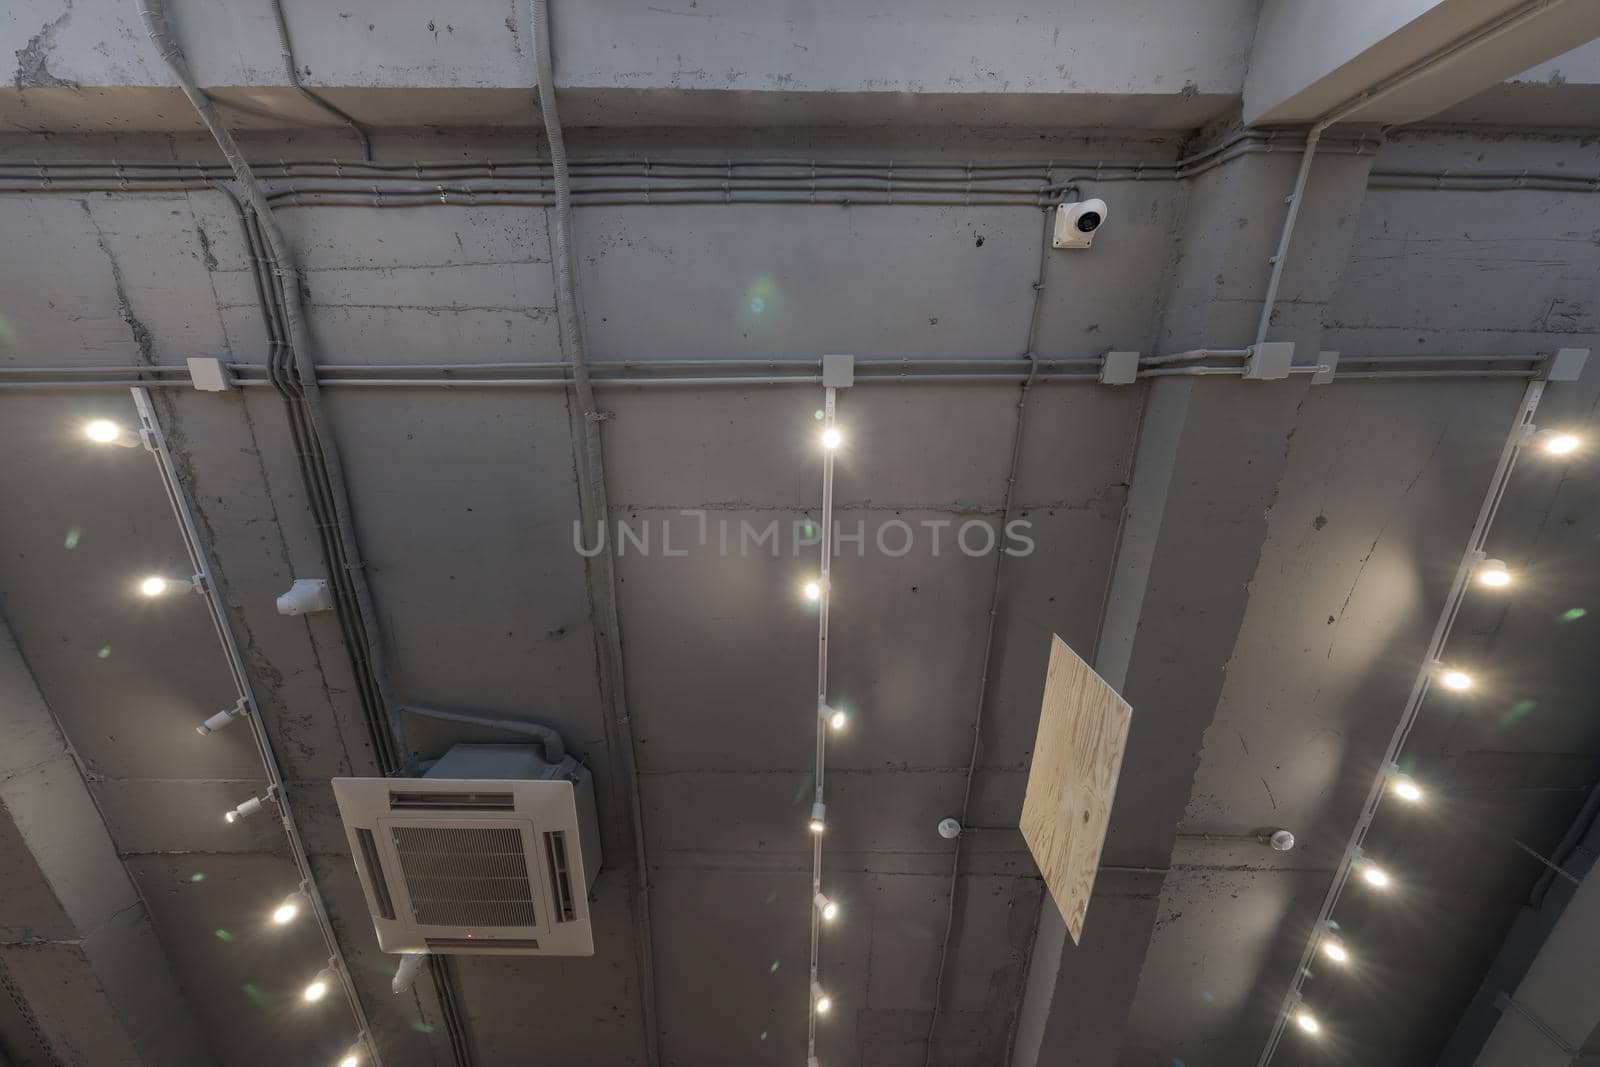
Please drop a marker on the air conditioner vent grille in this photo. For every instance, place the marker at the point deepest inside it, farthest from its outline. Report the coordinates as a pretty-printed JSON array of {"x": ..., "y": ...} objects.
[
  {"x": 470, "y": 876},
  {"x": 380, "y": 886},
  {"x": 555, "y": 847},
  {"x": 438, "y": 801}
]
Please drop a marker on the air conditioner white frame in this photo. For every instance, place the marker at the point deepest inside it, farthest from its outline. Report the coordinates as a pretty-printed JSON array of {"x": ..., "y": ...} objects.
[{"x": 556, "y": 805}]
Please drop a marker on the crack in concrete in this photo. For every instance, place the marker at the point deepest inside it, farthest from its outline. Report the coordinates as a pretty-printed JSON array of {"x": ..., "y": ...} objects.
[{"x": 142, "y": 338}]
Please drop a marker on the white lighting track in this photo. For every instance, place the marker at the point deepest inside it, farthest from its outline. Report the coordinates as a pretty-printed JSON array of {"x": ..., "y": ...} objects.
[
  {"x": 156, "y": 442},
  {"x": 1519, "y": 437},
  {"x": 829, "y": 439}
]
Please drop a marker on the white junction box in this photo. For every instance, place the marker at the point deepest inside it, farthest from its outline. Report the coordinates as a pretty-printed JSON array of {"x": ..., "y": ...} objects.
[
  {"x": 209, "y": 374},
  {"x": 494, "y": 850}
]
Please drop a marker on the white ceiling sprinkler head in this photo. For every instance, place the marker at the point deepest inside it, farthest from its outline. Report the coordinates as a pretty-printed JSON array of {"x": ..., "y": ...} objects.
[{"x": 949, "y": 829}]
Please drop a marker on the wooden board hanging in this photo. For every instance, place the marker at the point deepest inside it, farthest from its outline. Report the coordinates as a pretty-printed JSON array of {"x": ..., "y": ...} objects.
[{"x": 1077, "y": 759}]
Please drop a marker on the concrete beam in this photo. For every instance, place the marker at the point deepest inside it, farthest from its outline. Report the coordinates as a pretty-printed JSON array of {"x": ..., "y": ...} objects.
[
  {"x": 1208, "y": 462},
  {"x": 80, "y": 953},
  {"x": 1556, "y": 1007},
  {"x": 1312, "y": 56},
  {"x": 1150, "y": 63}
]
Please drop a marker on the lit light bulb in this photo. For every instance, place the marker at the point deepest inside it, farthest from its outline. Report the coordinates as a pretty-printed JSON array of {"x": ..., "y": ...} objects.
[
  {"x": 249, "y": 807},
  {"x": 1375, "y": 876},
  {"x": 819, "y": 817},
  {"x": 1457, "y": 680},
  {"x": 827, "y": 908},
  {"x": 1561, "y": 444},
  {"x": 1307, "y": 1022},
  {"x": 285, "y": 912},
  {"x": 155, "y": 585},
  {"x": 316, "y": 990},
  {"x": 1334, "y": 949},
  {"x": 1493, "y": 574},
  {"x": 102, "y": 431},
  {"x": 832, "y": 438},
  {"x": 836, "y": 717},
  {"x": 350, "y": 1060},
  {"x": 813, "y": 590},
  {"x": 1406, "y": 788},
  {"x": 821, "y": 1000}
]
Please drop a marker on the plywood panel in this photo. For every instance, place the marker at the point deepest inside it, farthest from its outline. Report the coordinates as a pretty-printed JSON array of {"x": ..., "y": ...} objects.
[{"x": 1077, "y": 758}]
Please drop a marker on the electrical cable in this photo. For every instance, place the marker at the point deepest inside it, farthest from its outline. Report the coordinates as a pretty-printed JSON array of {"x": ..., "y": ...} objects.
[
  {"x": 988, "y": 639},
  {"x": 595, "y": 510},
  {"x": 292, "y": 70}
]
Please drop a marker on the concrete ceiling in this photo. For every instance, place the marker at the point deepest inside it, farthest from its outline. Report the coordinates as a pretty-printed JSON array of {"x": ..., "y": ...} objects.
[{"x": 1268, "y": 583}]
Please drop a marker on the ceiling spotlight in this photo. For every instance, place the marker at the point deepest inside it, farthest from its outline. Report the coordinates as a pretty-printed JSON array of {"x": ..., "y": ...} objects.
[
  {"x": 317, "y": 989},
  {"x": 819, "y": 817},
  {"x": 1334, "y": 949},
  {"x": 284, "y": 913},
  {"x": 245, "y": 810},
  {"x": 1460, "y": 681},
  {"x": 1375, "y": 876},
  {"x": 813, "y": 590},
  {"x": 106, "y": 432},
  {"x": 1307, "y": 1022},
  {"x": 836, "y": 717},
  {"x": 155, "y": 586},
  {"x": 1493, "y": 574},
  {"x": 832, "y": 438},
  {"x": 827, "y": 908},
  {"x": 221, "y": 718},
  {"x": 820, "y": 1000},
  {"x": 350, "y": 1060},
  {"x": 1406, "y": 788},
  {"x": 1558, "y": 444}
]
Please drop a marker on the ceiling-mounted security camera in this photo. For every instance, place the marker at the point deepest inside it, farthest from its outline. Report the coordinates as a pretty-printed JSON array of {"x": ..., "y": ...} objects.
[{"x": 1077, "y": 223}]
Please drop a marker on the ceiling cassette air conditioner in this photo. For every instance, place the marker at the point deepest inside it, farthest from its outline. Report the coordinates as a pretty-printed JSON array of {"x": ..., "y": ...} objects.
[{"x": 493, "y": 850}]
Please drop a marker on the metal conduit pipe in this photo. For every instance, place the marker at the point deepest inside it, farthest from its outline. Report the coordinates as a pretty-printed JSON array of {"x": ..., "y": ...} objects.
[
  {"x": 595, "y": 509},
  {"x": 618, "y": 372},
  {"x": 293, "y": 73},
  {"x": 504, "y": 194},
  {"x": 284, "y": 293},
  {"x": 737, "y": 381},
  {"x": 1048, "y": 181},
  {"x": 153, "y": 12},
  {"x": 555, "y": 749},
  {"x": 1030, "y": 346},
  {"x": 351, "y": 192},
  {"x": 805, "y": 169}
]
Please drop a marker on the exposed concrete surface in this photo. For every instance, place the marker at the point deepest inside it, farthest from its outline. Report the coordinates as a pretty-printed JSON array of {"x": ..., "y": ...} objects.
[
  {"x": 97, "y": 938},
  {"x": 882, "y": 49},
  {"x": 464, "y": 501}
]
